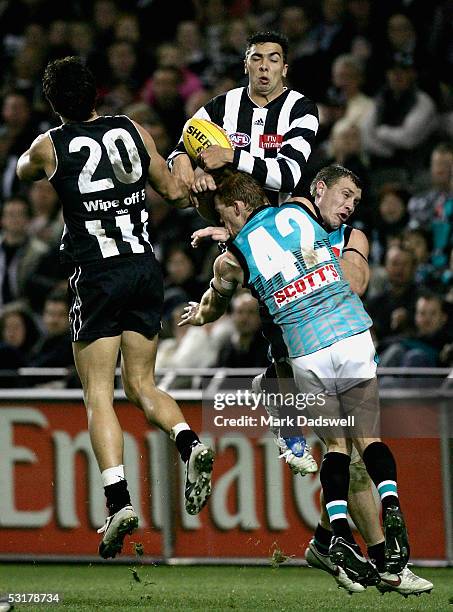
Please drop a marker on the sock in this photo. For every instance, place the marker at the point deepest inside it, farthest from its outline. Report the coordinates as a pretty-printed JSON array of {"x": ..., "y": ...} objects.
[
  {"x": 322, "y": 539},
  {"x": 381, "y": 467},
  {"x": 117, "y": 496},
  {"x": 377, "y": 554},
  {"x": 184, "y": 441},
  {"x": 335, "y": 484},
  {"x": 112, "y": 475},
  {"x": 174, "y": 431}
]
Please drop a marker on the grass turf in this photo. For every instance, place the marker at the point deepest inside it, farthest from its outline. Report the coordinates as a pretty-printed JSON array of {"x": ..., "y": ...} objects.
[{"x": 111, "y": 586}]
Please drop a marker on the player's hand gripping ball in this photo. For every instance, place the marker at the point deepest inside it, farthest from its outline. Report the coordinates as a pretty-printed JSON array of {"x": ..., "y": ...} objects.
[{"x": 199, "y": 134}]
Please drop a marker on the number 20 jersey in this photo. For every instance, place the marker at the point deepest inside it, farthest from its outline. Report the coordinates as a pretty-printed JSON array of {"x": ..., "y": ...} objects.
[
  {"x": 290, "y": 265},
  {"x": 100, "y": 177}
]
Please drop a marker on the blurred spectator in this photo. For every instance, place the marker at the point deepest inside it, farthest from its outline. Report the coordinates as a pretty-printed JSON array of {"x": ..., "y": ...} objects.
[
  {"x": 441, "y": 41},
  {"x": 104, "y": 16},
  {"x": 82, "y": 43},
  {"x": 421, "y": 206},
  {"x": 169, "y": 226},
  {"x": 296, "y": 24},
  {"x": 19, "y": 332},
  {"x": 213, "y": 16},
  {"x": 390, "y": 219},
  {"x": 247, "y": 347},
  {"x": 418, "y": 241},
  {"x": 181, "y": 273},
  {"x": 47, "y": 220},
  {"x": 122, "y": 73},
  {"x": 48, "y": 275},
  {"x": 332, "y": 108},
  {"x": 162, "y": 17},
  {"x": 366, "y": 23},
  {"x": 19, "y": 253},
  {"x": 442, "y": 232},
  {"x": 54, "y": 348},
  {"x": 26, "y": 71},
  {"x": 166, "y": 100},
  {"x": 332, "y": 36},
  {"x": 17, "y": 131},
  {"x": 170, "y": 56},
  {"x": 58, "y": 39},
  {"x": 266, "y": 14},
  {"x": 347, "y": 77},
  {"x": 423, "y": 347},
  {"x": 344, "y": 107},
  {"x": 188, "y": 347},
  {"x": 402, "y": 38},
  {"x": 143, "y": 114},
  {"x": 395, "y": 132},
  {"x": 392, "y": 309},
  {"x": 190, "y": 41},
  {"x": 230, "y": 56}
]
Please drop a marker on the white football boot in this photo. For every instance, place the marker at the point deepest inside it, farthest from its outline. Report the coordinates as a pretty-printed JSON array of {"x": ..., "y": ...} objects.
[
  {"x": 115, "y": 529},
  {"x": 198, "y": 477},
  {"x": 406, "y": 583},
  {"x": 316, "y": 559}
]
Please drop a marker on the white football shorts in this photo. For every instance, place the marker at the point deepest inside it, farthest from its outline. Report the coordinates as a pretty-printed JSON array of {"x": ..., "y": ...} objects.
[{"x": 338, "y": 367}]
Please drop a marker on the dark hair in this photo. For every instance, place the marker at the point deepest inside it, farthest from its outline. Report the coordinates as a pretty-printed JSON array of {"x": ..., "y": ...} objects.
[
  {"x": 428, "y": 294},
  {"x": 331, "y": 175},
  {"x": 22, "y": 199},
  {"x": 31, "y": 327},
  {"x": 236, "y": 185},
  {"x": 271, "y": 36},
  {"x": 58, "y": 295},
  {"x": 443, "y": 147},
  {"x": 396, "y": 189},
  {"x": 420, "y": 231},
  {"x": 70, "y": 88}
]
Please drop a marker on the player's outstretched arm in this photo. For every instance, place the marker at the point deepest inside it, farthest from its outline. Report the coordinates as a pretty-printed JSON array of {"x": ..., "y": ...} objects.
[
  {"x": 170, "y": 188},
  {"x": 227, "y": 275},
  {"x": 354, "y": 262},
  {"x": 38, "y": 161},
  {"x": 219, "y": 234}
]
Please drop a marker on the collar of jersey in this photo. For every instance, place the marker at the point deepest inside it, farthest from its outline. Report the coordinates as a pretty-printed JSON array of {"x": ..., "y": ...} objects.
[{"x": 285, "y": 91}]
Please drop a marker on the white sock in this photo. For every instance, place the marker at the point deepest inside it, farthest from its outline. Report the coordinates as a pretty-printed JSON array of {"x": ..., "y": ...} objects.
[
  {"x": 174, "y": 431},
  {"x": 112, "y": 475}
]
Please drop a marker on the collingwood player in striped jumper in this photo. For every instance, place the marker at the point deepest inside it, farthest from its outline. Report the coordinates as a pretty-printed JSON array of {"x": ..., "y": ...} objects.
[
  {"x": 285, "y": 257},
  {"x": 99, "y": 166},
  {"x": 272, "y": 127},
  {"x": 273, "y": 130}
]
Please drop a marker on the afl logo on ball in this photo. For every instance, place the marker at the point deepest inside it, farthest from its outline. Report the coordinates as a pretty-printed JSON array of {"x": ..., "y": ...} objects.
[{"x": 240, "y": 139}]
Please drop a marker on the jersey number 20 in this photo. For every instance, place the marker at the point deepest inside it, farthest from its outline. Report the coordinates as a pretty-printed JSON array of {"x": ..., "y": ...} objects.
[{"x": 86, "y": 182}]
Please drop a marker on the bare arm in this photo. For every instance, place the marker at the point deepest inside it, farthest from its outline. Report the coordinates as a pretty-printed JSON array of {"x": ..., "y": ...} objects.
[
  {"x": 227, "y": 275},
  {"x": 354, "y": 262},
  {"x": 169, "y": 187},
  {"x": 38, "y": 161}
]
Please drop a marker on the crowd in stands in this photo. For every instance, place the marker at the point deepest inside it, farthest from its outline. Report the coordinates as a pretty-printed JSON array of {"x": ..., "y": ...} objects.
[{"x": 381, "y": 74}]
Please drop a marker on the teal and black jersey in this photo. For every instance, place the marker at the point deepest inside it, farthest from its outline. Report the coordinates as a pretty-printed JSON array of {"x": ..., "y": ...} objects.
[{"x": 291, "y": 266}]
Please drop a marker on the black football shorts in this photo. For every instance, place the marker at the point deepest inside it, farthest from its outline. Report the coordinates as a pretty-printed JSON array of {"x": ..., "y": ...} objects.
[{"x": 114, "y": 295}]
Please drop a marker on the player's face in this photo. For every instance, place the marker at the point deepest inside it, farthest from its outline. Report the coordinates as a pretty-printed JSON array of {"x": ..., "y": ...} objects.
[
  {"x": 266, "y": 69},
  {"x": 230, "y": 216},
  {"x": 337, "y": 203}
]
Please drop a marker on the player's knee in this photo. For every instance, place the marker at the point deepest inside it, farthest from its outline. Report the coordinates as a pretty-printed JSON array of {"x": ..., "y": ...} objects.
[
  {"x": 137, "y": 388},
  {"x": 132, "y": 391},
  {"x": 359, "y": 479}
]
